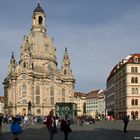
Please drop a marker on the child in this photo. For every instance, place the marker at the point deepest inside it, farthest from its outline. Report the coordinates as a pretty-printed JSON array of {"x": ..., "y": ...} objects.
[{"x": 16, "y": 128}]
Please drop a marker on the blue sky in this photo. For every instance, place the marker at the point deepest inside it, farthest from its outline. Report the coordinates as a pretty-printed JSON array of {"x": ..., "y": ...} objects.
[{"x": 97, "y": 33}]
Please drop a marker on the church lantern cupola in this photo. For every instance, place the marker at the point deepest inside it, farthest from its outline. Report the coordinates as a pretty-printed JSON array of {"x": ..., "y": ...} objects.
[{"x": 38, "y": 19}]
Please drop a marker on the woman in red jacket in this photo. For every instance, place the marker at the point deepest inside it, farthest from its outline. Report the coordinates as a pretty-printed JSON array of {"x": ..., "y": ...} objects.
[{"x": 51, "y": 125}]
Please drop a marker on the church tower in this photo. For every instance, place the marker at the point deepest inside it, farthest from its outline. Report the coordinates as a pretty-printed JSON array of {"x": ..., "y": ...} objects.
[
  {"x": 66, "y": 69},
  {"x": 38, "y": 20},
  {"x": 12, "y": 64},
  {"x": 36, "y": 80}
]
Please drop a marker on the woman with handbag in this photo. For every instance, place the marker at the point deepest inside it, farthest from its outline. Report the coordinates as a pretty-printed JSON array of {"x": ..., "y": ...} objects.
[{"x": 51, "y": 125}]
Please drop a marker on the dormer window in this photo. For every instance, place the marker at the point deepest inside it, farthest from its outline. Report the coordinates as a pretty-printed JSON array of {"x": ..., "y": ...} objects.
[
  {"x": 40, "y": 20},
  {"x": 136, "y": 60}
]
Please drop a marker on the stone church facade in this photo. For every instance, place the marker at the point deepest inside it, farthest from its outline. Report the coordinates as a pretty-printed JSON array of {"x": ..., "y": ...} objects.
[{"x": 35, "y": 79}]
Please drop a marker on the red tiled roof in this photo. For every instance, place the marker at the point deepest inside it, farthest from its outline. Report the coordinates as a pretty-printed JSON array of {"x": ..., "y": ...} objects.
[
  {"x": 79, "y": 94},
  {"x": 93, "y": 94},
  {"x": 131, "y": 59}
]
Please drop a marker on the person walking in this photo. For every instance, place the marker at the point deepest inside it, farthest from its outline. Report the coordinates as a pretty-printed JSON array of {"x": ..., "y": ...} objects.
[
  {"x": 125, "y": 120},
  {"x": 65, "y": 127},
  {"x": 16, "y": 128},
  {"x": 51, "y": 125},
  {"x": 26, "y": 119},
  {"x": 56, "y": 120}
]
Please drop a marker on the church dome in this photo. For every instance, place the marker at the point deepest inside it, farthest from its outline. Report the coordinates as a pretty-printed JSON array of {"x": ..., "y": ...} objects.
[{"x": 39, "y": 9}]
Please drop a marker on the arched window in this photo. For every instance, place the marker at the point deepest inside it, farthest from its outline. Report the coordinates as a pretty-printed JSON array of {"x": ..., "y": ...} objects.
[
  {"x": 136, "y": 101},
  {"x": 40, "y": 20},
  {"x": 52, "y": 95},
  {"x": 52, "y": 91},
  {"x": 34, "y": 20},
  {"x": 63, "y": 92},
  {"x": 24, "y": 91},
  {"x": 132, "y": 114},
  {"x": 132, "y": 91},
  {"x": 37, "y": 90},
  {"x": 37, "y": 94},
  {"x": 136, "y": 79},
  {"x": 24, "y": 94},
  {"x": 132, "y": 69},
  {"x": 136, "y": 91},
  {"x": 136, "y": 114},
  {"x": 136, "y": 70},
  {"x": 24, "y": 88},
  {"x": 132, "y": 79},
  {"x": 132, "y": 102}
]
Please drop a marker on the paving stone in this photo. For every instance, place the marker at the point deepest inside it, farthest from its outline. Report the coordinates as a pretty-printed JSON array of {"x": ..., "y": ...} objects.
[{"x": 102, "y": 130}]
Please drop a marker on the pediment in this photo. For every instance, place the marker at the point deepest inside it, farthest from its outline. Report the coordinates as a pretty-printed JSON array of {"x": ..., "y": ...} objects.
[
  {"x": 23, "y": 76},
  {"x": 54, "y": 76}
]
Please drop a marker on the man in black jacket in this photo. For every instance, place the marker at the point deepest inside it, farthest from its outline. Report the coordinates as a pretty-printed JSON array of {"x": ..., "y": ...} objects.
[
  {"x": 125, "y": 120},
  {"x": 65, "y": 127}
]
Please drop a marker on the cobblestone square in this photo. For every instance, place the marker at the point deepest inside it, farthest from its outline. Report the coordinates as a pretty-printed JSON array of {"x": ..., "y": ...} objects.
[{"x": 99, "y": 131}]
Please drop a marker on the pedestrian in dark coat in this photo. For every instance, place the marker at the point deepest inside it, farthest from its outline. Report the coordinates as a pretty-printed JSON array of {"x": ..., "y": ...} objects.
[
  {"x": 65, "y": 127},
  {"x": 125, "y": 120}
]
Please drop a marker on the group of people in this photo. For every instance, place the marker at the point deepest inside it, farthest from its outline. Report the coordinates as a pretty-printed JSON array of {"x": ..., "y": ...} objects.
[
  {"x": 51, "y": 123},
  {"x": 15, "y": 126}
]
